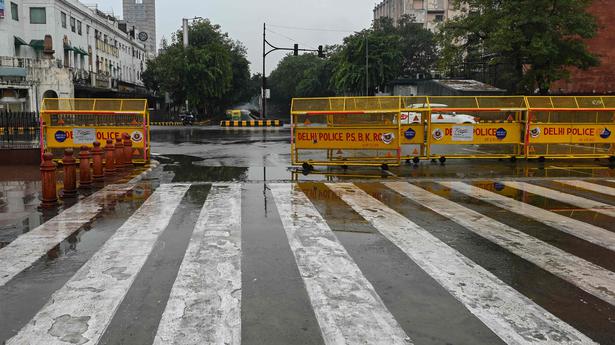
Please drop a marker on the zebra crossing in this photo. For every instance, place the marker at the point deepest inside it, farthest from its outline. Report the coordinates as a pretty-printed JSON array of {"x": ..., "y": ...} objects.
[{"x": 434, "y": 225}]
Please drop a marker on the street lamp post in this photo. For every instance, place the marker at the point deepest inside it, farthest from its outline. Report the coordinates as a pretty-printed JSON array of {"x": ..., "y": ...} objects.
[{"x": 185, "y": 29}]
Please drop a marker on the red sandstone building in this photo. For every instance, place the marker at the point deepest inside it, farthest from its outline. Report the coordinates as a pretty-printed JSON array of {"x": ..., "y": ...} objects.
[{"x": 601, "y": 79}]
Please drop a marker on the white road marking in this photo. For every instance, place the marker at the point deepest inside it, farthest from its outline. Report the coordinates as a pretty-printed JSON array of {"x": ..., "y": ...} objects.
[
  {"x": 348, "y": 309},
  {"x": 592, "y": 187},
  {"x": 591, "y": 205},
  {"x": 509, "y": 314},
  {"x": 28, "y": 248},
  {"x": 205, "y": 303},
  {"x": 587, "y": 276},
  {"x": 585, "y": 231},
  {"x": 81, "y": 310}
]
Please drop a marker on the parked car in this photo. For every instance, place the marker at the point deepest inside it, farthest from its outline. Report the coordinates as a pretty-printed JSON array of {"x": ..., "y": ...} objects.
[{"x": 437, "y": 117}]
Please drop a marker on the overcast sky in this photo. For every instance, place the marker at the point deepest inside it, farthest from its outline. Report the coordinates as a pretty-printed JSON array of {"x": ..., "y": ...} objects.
[{"x": 243, "y": 20}]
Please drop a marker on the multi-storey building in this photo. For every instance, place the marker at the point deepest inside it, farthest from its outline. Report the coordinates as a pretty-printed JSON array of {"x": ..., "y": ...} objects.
[
  {"x": 601, "y": 79},
  {"x": 142, "y": 15},
  {"x": 427, "y": 12},
  {"x": 62, "y": 48}
]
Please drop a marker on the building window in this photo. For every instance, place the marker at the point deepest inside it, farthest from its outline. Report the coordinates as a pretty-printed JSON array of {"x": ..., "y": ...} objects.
[
  {"x": 72, "y": 24},
  {"x": 63, "y": 19},
  {"x": 14, "y": 11},
  {"x": 439, "y": 18},
  {"x": 38, "y": 15},
  {"x": 139, "y": 2},
  {"x": 87, "y": 30},
  {"x": 79, "y": 27}
]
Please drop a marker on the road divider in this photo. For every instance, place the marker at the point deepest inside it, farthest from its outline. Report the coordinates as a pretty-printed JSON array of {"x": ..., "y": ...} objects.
[{"x": 252, "y": 123}]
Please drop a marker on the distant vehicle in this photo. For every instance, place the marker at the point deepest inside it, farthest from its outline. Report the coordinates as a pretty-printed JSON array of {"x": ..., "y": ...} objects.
[
  {"x": 186, "y": 119},
  {"x": 239, "y": 115},
  {"x": 437, "y": 117}
]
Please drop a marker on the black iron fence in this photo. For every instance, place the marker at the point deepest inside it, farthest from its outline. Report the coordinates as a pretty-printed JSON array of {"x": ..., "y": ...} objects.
[{"x": 19, "y": 130}]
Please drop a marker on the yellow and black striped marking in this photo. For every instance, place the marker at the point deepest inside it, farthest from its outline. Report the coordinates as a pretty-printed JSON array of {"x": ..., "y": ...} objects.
[{"x": 252, "y": 123}]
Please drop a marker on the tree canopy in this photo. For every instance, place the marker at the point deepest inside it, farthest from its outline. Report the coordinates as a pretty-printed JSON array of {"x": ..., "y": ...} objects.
[
  {"x": 212, "y": 73},
  {"x": 538, "y": 39}
]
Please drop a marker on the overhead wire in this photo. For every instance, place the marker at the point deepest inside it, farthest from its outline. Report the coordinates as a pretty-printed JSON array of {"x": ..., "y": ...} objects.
[
  {"x": 291, "y": 39},
  {"x": 310, "y": 29}
]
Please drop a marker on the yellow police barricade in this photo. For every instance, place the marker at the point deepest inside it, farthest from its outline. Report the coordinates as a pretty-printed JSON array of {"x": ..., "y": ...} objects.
[
  {"x": 346, "y": 131},
  {"x": 414, "y": 114},
  {"x": 570, "y": 127},
  {"x": 475, "y": 127},
  {"x": 72, "y": 123}
]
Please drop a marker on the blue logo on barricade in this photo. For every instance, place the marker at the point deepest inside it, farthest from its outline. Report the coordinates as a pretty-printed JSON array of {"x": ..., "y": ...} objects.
[
  {"x": 605, "y": 133},
  {"x": 410, "y": 134},
  {"x": 501, "y": 133},
  {"x": 61, "y": 136},
  {"x": 499, "y": 186}
]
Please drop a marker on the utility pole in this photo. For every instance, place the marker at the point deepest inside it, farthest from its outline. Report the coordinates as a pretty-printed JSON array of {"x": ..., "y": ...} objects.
[
  {"x": 366, "y": 66},
  {"x": 264, "y": 78},
  {"x": 186, "y": 30},
  {"x": 186, "y": 43}
]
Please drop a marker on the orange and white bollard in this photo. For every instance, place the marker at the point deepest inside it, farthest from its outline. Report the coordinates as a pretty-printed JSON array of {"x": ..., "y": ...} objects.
[
  {"x": 109, "y": 158},
  {"x": 85, "y": 169},
  {"x": 127, "y": 150},
  {"x": 97, "y": 163},
  {"x": 119, "y": 154},
  {"x": 70, "y": 174},
  {"x": 48, "y": 178}
]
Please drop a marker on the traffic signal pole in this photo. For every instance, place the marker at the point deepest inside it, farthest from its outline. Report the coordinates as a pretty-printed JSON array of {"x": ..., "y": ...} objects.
[{"x": 295, "y": 51}]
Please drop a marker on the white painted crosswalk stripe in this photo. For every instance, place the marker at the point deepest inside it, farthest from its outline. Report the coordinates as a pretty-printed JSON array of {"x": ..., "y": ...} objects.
[
  {"x": 585, "y": 231},
  {"x": 591, "y": 205},
  {"x": 347, "y": 308},
  {"x": 205, "y": 303},
  {"x": 589, "y": 186},
  {"x": 592, "y": 278},
  {"x": 28, "y": 248},
  {"x": 81, "y": 310},
  {"x": 510, "y": 315}
]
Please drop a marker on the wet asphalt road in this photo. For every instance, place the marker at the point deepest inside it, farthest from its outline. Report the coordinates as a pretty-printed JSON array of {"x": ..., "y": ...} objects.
[{"x": 283, "y": 302}]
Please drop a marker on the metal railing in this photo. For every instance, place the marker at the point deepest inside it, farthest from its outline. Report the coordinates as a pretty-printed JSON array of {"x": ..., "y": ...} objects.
[{"x": 19, "y": 130}]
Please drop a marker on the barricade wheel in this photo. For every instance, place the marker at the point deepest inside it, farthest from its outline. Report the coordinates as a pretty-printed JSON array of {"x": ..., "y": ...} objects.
[
  {"x": 345, "y": 167},
  {"x": 542, "y": 159},
  {"x": 442, "y": 159},
  {"x": 612, "y": 159},
  {"x": 306, "y": 166},
  {"x": 384, "y": 167},
  {"x": 416, "y": 160},
  {"x": 513, "y": 159}
]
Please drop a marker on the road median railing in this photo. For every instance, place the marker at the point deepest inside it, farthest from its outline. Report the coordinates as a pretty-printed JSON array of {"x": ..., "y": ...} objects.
[
  {"x": 384, "y": 131},
  {"x": 72, "y": 123}
]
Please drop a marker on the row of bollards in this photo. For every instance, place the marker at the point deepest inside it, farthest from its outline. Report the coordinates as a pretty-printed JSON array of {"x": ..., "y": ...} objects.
[{"x": 94, "y": 166}]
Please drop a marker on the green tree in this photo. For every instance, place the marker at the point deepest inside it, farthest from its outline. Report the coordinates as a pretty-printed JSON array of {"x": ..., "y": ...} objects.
[
  {"x": 212, "y": 73},
  {"x": 384, "y": 55},
  {"x": 418, "y": 47},
  {"x": 538, "y": 39},
  {"x": 305, "y": 75}
]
